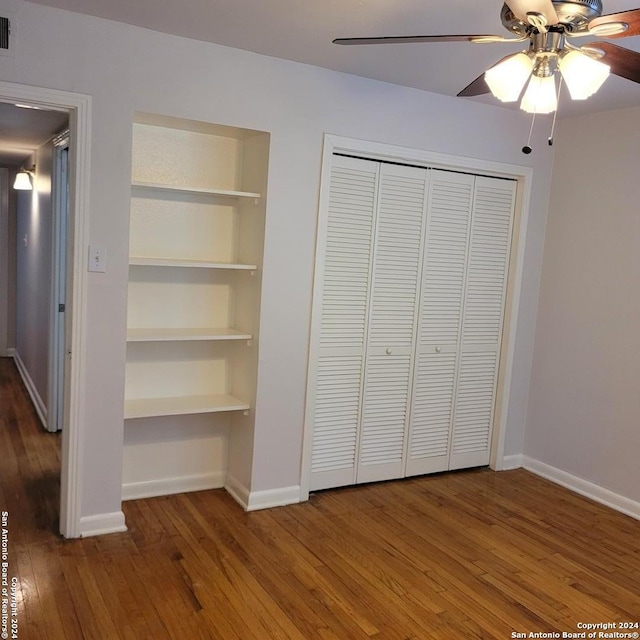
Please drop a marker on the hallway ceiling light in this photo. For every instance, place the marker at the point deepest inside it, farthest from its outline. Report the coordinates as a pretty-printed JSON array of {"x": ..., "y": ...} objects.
[{"x": 23, "y": 179}]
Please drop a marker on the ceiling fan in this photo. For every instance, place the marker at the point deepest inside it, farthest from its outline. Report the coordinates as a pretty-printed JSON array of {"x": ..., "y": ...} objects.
[{"x": 551, "y": 27}]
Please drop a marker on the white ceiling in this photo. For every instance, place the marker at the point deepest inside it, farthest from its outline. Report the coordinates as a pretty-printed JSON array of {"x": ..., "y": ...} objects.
[{"x": 302, "y": 30}]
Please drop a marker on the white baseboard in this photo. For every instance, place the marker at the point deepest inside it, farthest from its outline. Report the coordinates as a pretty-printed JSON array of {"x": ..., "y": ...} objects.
[
  {"x": 8, "y": 353},
  {"x": 511, "y": 462},
  {"x": 237, "y": 491},
  {"x": 256, "y": 500},
  {"x": 583, "y": 487},
  {"x": 169, "y": 486},
  {"x": 273, "y": 498},
  {"x": 102, "y": 524},
  {"x": 38, "y": 404}
]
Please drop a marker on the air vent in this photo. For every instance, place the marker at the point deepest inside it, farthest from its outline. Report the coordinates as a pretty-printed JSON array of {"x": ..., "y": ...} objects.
[{"x": 4, "y": 33}]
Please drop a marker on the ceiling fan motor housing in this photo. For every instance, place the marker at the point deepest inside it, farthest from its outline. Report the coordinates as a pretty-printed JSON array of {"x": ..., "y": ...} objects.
[
  {"x": 573, "y": 15},
  {"x": 577, "y": 14}
]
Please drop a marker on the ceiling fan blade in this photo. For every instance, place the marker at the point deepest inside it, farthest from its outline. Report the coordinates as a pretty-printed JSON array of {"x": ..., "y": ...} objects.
[
  {"x": 632, "y": 18},
  {"x": 417, "y": 39},
  {"x": 479, "y": 86},
  {"x": 520, "y": 9},
  {"x": 623, "y": 62}
]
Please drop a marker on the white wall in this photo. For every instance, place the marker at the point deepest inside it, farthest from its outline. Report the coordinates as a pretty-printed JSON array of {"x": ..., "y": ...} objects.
[
  {"x": 584, "y": 408},
  {"x": 9, "y": 264},
  {"x": 33, "y": 274},
  {"x": 6, "y": 317},
  {"x": 125, "y": 69}
]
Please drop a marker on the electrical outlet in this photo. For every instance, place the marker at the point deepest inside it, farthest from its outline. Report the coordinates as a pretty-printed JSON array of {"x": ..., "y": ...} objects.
[{"x": 97, "y": 259}]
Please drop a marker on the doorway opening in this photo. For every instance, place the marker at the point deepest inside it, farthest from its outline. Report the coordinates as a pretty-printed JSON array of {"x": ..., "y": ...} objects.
[{"x": 59, "y": 189}]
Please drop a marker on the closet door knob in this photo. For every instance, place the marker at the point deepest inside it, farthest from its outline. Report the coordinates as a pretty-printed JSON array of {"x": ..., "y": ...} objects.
[
  {"x": 389, "y": 352},
  {"x": 437, "y": 349}
]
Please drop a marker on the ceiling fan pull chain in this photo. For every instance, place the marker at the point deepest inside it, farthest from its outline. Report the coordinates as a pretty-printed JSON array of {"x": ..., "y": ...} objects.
[
  {"x": 555, "y": 115},
  {"x": 527, "y": 147}
]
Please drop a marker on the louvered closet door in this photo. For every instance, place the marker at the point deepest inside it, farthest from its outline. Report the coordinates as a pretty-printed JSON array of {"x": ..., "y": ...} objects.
[
  {"x": 440, "y": 323},
  {"x": 336, "y": 373},
  {"x": 392, "y": 322},
  {"x": 486, "y": 281}
]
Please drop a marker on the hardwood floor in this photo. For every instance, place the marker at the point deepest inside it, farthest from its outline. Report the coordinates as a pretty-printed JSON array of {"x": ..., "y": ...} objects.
[{"x": 464, "y": 555}]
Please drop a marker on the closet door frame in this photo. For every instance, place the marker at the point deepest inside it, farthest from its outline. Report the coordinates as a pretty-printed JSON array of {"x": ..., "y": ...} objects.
[{"x": 338, "y": 145}]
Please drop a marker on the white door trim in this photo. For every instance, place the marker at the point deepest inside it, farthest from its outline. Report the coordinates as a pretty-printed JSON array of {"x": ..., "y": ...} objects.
[
  {"x": 79, "y": 108},
  {"x": 392, "y": 153},
  {"x": 57, "y": 327}
]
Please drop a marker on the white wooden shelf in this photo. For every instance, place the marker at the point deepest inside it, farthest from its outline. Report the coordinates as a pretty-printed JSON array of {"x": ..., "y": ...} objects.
[
  {"x": 140, "y": 261},
  {"x": 183, "y": 405},
  {"x": 225, "y": 193},
  {"x": 184, "y": 334}
]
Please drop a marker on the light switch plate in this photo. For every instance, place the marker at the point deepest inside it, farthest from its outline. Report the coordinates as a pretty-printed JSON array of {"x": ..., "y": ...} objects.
[{"x": 97, "y": 259}]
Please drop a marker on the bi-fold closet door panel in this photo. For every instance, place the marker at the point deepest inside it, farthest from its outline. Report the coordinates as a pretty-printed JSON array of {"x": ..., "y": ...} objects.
[
  {"x": 395, "y": 284},
  {"x": 483, "y": 318},
  {"x": 464, "y": 281},
  {"x": 441, "y": 307},
  {"x": 345, "y": 253},
  {"x": 370, "y": 280}
]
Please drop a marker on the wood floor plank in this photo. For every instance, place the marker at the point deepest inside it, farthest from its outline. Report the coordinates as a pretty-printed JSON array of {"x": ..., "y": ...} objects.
[
  {"x": 471, "y": 554},
  {"x": 278, "y": 578},
  {"x": 32, "y": 623},
  {"x": 53, "y": 594}
]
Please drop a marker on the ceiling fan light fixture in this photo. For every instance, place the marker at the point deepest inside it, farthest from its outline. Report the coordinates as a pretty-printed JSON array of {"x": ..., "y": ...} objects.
[
  {"x": 507, "y": 79},
  {"x": 540, "y": 96},
  {"x": 582, "y": 74}
]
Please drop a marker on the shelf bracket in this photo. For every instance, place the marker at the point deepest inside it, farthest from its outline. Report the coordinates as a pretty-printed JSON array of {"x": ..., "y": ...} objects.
[
  {"x": 249, "y": 343},
  {"x": 245, "y": 413}
]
